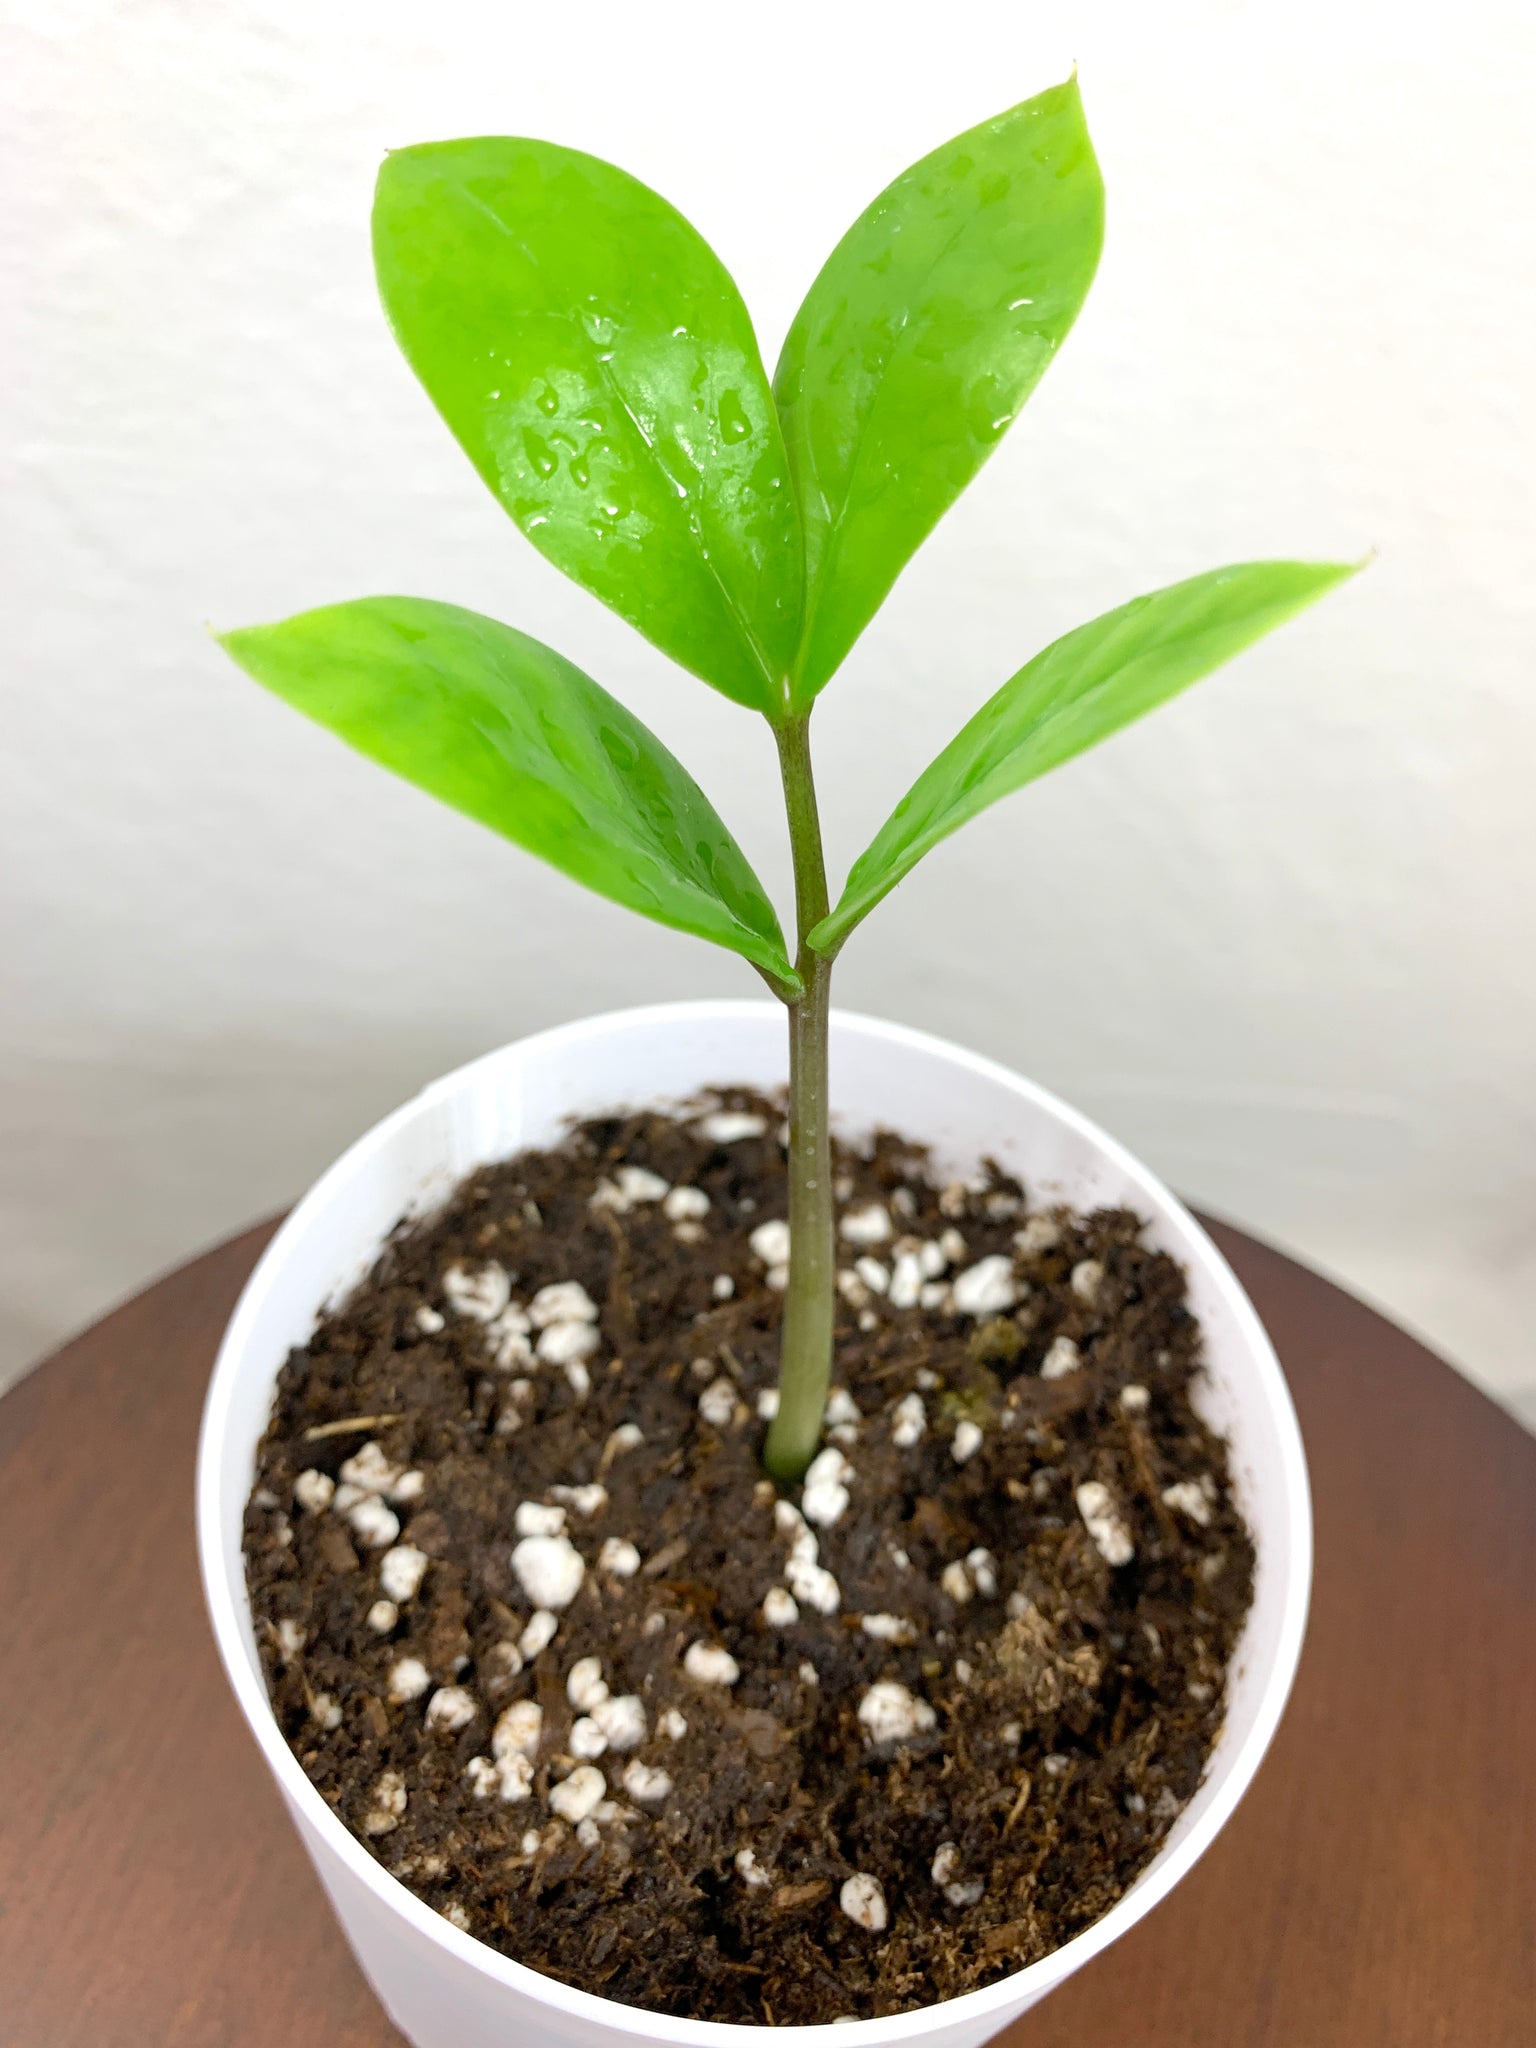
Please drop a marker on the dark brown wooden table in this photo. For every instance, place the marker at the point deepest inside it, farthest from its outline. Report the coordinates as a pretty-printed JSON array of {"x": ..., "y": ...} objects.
[{"x": 1377, "y": 1889}]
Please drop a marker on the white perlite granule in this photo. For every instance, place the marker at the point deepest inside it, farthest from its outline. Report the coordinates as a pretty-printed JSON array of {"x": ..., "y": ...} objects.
[
  {"x": 587, "y": 1500},
  {"x": 1039, "y": 1234},
  {"x": 1195, "y": 1498},
  {"x": 826, "y": 1492},
  {"x": 645, "y": 1782},
  {"x": 514, "y": 1775},
  {"x": 906, "y": 1288},
  {"x": 749, "y": 1870},
  {"x": 1104, "y": 1522},
  {"x": 1062, "y": 1358},
  {"x": 987, "y": 1288},
  {"x": 955, "y": 1580},
  {"x": 946, "y": 1875},
  {"x": 408, "y": 1680},
  {"x": 377, "y": 1525},
  {"x": 909, "y": 1422},
  {"x": 577, "y": 1378},
  {"x": 386, "y": 1805},
  {"x": 862, "y": 1898},
  {"x": 581, "y": 1793},
  {"x": 889, "y": 1713},
  {"x": 852, "y": 1288},
  {"x": 1087, "y": 1276},
  {"x": 550, "y": 1570},
  {"x": 730, "y": 1126},
  {"x": 779, "y": 1607},
  {"x": 508, "y": 1338},
  {"x": 811, "y": 1584},
  {"x": 450, "y": 1708},
  {"x": 401, "y": 1571},
  {"x": 481, "y": 1292},
  {"x": 875, "y": 1277},
  {"x": 567, "y": 1344},
  {"x": 717, "y": 1403},
  {"x": 866, "y": 1226},
  {"x": 966, "y": 1443},
  {"x": 619, "y": 1558},
  {"x": 982, "y": 1566},
  {"x": 482, "y": 1776},
  {"x": 710, "y": 1664},
  {"x": 563, "y": 1301},
  {"x": 586, "y": 1686},
  {"x": 518, "y": 1731},
  {"x": 586, "y": 1739},
  {"x": 630, "y": 1186},
  {"x": 538, "y": 1635},
  {"x": 770, "y": 1242},
  {"x": 312, "y": 1490},
  {"x": 622, "y": 1720}
]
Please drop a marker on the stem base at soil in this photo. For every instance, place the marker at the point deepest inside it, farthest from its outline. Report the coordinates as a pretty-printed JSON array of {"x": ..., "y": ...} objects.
[{"x": 805, "y": 1369}]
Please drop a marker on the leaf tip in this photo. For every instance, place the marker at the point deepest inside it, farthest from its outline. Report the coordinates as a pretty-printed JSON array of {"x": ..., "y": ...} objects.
[{"x": 1330, "y": 575}]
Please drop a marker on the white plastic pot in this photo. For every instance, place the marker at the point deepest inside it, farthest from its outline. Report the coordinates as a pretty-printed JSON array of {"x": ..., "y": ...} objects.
[{"x": 444, "y": 1989}]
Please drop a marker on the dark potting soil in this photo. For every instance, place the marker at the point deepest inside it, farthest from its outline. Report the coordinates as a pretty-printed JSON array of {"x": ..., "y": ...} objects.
[{"x": 760, "y": 1766}]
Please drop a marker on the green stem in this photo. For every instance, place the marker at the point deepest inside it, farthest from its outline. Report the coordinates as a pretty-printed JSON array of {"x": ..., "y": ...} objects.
[{"x": 805, "y": 1361}]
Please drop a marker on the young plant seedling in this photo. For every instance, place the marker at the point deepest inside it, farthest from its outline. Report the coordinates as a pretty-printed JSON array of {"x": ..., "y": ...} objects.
[{"x": 596, "y": 363}]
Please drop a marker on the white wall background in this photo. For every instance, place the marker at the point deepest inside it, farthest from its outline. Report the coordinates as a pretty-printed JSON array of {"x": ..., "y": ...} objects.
[{"x": 1280, "y": 938}]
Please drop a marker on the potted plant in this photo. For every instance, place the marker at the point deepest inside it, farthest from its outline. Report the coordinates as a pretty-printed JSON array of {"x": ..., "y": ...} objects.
[{"x": 590, "y": 1631}]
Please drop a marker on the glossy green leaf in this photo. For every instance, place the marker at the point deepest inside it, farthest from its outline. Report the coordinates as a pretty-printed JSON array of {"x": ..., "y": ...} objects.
[
  {"x": 927, "y": 329},
  {"x": 595, "y": 360},
  {"x": 1081, "y": 689},
  {"x": 512, "y": 734}
]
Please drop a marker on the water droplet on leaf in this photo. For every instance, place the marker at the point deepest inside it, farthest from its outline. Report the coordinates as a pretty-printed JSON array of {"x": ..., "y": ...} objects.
[
  {"x": 734, "y": 424},
  {"x": 539, "y": 453}
]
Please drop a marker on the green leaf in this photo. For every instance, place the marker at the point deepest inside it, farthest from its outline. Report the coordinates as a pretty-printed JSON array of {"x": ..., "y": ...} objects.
[
  {"x": 930, "y": 324},
  {"x": 1084, "y": 687},
  {"x": 512, "y": 734},
  {"x": 595, "y": 360}
]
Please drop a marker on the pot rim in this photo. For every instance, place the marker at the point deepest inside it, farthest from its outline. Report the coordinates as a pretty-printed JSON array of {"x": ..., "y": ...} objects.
[{"x": 231, "y": 1625}]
